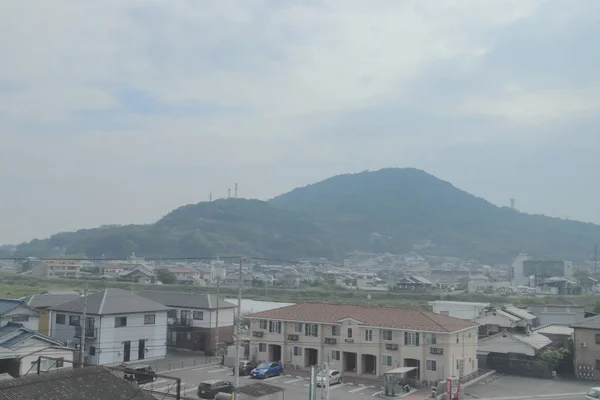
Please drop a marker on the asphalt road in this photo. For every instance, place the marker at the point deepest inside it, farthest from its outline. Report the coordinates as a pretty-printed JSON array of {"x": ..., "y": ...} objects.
[{"x": 296, "y": 388}]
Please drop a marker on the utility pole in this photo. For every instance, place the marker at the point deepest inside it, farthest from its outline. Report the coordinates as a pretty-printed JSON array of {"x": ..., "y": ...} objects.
[
  {"x": 238, "y": 328},
  {"x": 82, "y": 323},
  {"x": 595, "y": 259},
  {"x": 217, "y": 336}
]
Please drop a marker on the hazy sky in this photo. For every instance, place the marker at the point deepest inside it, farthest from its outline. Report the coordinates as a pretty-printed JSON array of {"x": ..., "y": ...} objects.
[{"x": 119, "y": 111}]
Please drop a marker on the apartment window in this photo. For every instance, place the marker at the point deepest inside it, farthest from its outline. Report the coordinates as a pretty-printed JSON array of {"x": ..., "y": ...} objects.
[
  {"x": 120, "y": 322},
  {"x": 20, "y": 318},
  {"x": 387, "y": 361},
  {"x": 411, "y": 338},
  {"x": 597, "y": 338},
  {"x": 60, "y": 319},
  {"x": 263, "y": 324},
  {"x": 198, "y": 315},
  {"x": 311, "y": 330},
  {"x": 92, "y": 351},
  {"x": 297, "y": 350},
  {"x": 368, "y": 335},
  {"x": 335, "y": 355},
  {"x": 432, "y": 338},
  {"x": 349, "y": 333},
  {"x": 431, "y": 365},
  {"x": 275, "y": 326},
  {"x": 335, "y": 330},
  {"x": 298, "y": 328},
  {"x": 262, "y": 347},
  {"x": 149, "y": 319},
  {"x": 386, "y": 334},
  {"x": 74, "y": 320}
]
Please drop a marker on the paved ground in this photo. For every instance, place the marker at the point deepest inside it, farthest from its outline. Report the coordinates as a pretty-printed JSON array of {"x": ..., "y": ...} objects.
[
  {"x": 178, "y": 359},
  {"x": 504, "y": 387}
]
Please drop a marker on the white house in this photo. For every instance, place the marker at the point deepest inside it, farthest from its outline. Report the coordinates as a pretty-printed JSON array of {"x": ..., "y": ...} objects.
[
  {"x": 120, "y": 326},
  {"x": 17, "y": 311},
  {"x": 459, "y": 309}
]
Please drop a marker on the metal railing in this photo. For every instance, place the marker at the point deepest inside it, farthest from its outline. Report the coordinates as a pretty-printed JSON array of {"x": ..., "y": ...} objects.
[{"x": 89, "y": 332}]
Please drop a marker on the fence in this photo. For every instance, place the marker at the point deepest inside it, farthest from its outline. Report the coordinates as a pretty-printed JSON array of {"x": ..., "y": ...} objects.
[
  {"x": 441, "y": 385},
  {"x": 516, "y": 366}
]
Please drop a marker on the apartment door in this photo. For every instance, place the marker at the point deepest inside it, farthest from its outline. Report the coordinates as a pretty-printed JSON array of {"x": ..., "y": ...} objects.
[
  {"x": 126, "y": 351},
  {"x": 141, "y": 349}
]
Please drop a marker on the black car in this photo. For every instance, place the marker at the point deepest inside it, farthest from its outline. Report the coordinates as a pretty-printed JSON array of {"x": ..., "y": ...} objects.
[
  {"x": 246, "y": 367},
  {"x": 209, "y": 389},
  {"x": 140, "y": 374}
]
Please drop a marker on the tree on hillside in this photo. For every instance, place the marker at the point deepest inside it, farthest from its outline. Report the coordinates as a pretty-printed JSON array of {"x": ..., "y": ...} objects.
[{"x": 166, "y": 277}]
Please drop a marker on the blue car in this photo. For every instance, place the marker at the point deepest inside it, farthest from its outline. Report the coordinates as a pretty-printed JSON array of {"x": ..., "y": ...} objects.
[{"x": 266, "y": 370}]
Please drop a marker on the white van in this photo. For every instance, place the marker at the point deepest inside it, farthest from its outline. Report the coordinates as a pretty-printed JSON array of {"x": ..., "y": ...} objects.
[{"x": 593, "y": 394}]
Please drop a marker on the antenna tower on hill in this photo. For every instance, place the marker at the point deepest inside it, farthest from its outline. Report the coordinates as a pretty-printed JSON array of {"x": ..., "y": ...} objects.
[{"x": 235, "y": 193}]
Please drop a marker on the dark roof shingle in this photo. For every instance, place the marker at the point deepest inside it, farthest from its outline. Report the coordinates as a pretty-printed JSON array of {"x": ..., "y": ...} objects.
[
  {"x": 93, "y": 383},
  {"x": 588, "y": 323},
  {"x": 186, "y": 300},
  {"x": 385, "y": 317},
  {"x": 111, "y": 301},
  {"x": 49, "y": 299}
]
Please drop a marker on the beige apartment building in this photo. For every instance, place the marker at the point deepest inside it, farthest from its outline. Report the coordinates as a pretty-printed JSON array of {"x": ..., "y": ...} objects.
[
  {"x": 586, "y": 346},
  {"x": 365, "y": 340}
]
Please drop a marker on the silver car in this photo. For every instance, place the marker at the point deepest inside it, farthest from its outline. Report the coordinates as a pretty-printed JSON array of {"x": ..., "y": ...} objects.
[
  {"x": 335, "y": 376},
  {"x": 593, "y": 394}
]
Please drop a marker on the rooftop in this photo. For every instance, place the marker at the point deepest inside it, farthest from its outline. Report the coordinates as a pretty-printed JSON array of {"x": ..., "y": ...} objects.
[
  {"x": 12, "y": 334},
  {"x": 588, "y": 323},
  {"x": 92, "y": 383},
  {"x": 386, "y": 317},
  {"x": 7, "y": 305},
  {"x": 186, "y": 300},
  {"x": 49, "y": 299},
  {"x": 111, "y": 301},
  {"x": 555, "y": 329}
]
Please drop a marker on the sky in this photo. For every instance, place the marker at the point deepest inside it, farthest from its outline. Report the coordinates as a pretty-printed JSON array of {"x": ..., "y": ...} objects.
[{"x": 117, "y": 112}]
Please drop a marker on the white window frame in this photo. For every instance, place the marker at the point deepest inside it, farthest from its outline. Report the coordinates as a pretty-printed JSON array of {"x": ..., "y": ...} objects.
[
  {"x": 387, "y": 334},
  {"x": 335, "y": 330},
  {"x": 311, "y": 330},
  {"x": 299, "y": 328},
  {"x": 275, "y": 326},
  {"x": 262, "y": 324},
  {"x": 336, "y": 355},
  {"x": 385, "y": 358},
  {"x": 431, "y": 365},
  {"x": 262, "y": 347},
  {"x": 410, "y": 339},
  {"x": 431, "y": 338},
  {"x": 368, "y": 335},
  {"x": 297, "y": 351}
]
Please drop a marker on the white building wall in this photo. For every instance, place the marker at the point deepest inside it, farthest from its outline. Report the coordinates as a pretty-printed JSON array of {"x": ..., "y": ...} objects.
[
  {"x": 456, "y": 309},
  {"x": 27, "y": 362},
  {"x": 32, "y": 323},
  {"x": 209, "y": 317}
]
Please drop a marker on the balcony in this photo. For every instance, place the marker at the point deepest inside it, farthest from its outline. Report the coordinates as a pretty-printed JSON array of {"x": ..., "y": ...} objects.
[
  {"x": 179, "y": 321},
  {"x": 258, "y": 334},
  {"x": 391, "y": 346},
  {"x": 330, "y": 340},
  {"x": 294, "y": 337},
  {"x": 90, "y": 333}
]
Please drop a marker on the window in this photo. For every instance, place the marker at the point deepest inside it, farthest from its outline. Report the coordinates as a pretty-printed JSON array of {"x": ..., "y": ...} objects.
[
  {"x": 149, "y": 319},
  {"x": 431, "y": 365},
  {"x": 275, "y": 326},
  {"x": 263, "y": 324},
  {"x": 172, "y": 313},
  {"x": 386, "y": 334},
  {"x": 335, "y": 355},
  {"x": 311, "y": 330},
  {"x": 387, "y": 361},
  {"x": 297, "y": 350},
  {"x": 199, "y": 315},
  {"x": 335, "y": 330},
  {"x": 60, "y": 319},
  {"x": 432, "y": 338},
  {"x": 92, "y": 351},
  {"x": 74, "y": 320},
  {"x": 349, "y": 333},
  {"x": 20, "y": 318},
  {"x": 457, "y": 338},
  {"x": 368, "y": 335},
  {"x": 597, "y": 338},
  {"x": 262, "y": 347},
  {"x": 298, "y": 328},
  {"x": 120, "y": 322},
  {"x": 411, "y": 338}
]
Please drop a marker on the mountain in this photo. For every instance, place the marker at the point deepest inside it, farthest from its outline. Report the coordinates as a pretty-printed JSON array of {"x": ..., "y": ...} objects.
[
  {"x": 393, "y": 209},
  {"x": 389, "y": 210}
]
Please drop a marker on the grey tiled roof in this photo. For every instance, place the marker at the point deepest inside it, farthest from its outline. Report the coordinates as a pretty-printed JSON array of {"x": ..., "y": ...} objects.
[
  {"x": 9, "y": 304},
  {"x": 588, "y": 323},
  {"x": 25, "y": 333},
  {"x": 111, "y": 301},
  {"x": 186, "y": 300},
  {"x": 49, "y": 300},
  {"x": 93, "y": 383}
]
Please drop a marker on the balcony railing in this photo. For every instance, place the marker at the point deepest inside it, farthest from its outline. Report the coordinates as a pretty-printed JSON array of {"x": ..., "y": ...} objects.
[
  {"x": 330, "y": 340},
  {"x": 90, "y": 333},
  {"x": 293, "y": 336},
  {"x": 179, "y": 321}
]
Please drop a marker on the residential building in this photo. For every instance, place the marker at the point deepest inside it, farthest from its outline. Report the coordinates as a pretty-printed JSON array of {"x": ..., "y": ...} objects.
[
  {"x": 586, "y": 348},
  {"x": 22, "y": 347},
  {"x": 506, "y": 343},
  {"x": 57, "y": 268},
  {"x": 506, "y": 318},
  {"x": 113, "y": 269},
  {"x": 558, "y": 314},
  {"x": 412, "y": 283},
  {"x": 185, "y": 275},
  {"x": 120, "y": 326},
  {"x": 192, "y": 319},
  {"x": 365, "y": 340},
  {"x": 559, "y": 334},
  {"x": 42, "y": 303},
  {"x": 477, "y": 283},
  {"x": 459, "y": 309},
  {"x": 140, "y": 274},
  {"x": 96, "y": 383},
  {"x": 14, "y": 310}
]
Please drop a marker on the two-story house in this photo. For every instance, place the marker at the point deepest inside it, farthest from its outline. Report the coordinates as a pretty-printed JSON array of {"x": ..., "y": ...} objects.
[
  {"x": 120, "y": 326},
  {"x": 365, "y": 339},
  {"x": 192, "y": 319},
  {"x": 17, "y": 311},
  {"x": 57, "y": 268},
  {"x": 42, "y": 302}
]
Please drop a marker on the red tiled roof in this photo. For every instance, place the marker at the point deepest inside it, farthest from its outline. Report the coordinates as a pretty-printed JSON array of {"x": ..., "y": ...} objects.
[{"x": 385, "y": 317}]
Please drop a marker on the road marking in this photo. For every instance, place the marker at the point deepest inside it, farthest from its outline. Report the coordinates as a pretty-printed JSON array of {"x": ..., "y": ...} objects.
[
  {"x": 537, "y": 396},
  {"x": 338, "y": 386},
  {"x": 308, "y": 384},
  {"x": 358, "y": 389},
  {"x": 378, "y": 393},
  {"x": 194, "y": 368},
  {"x": 274, "y": 378},
  {"x": 294, "y": 380},
  {"x": 217, "y": 370}
]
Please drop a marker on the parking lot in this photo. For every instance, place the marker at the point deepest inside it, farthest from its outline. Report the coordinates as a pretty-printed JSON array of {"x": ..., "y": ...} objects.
[{"x": 505, "y": 387}]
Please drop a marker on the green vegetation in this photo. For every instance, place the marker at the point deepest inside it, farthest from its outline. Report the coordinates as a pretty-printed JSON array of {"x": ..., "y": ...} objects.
[{"x": 384, "y": 211}]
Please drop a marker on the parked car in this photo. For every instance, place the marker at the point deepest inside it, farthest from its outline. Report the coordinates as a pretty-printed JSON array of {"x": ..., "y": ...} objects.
[
  {"x": 139, "y": 373},
  {"x": 246, "y": 367},
  {"x": 266, "y": 370},
  {"x": 335, "y": 376},
  {"x": 209, "y": 389},
  {"x": 593, "y": 394}
]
